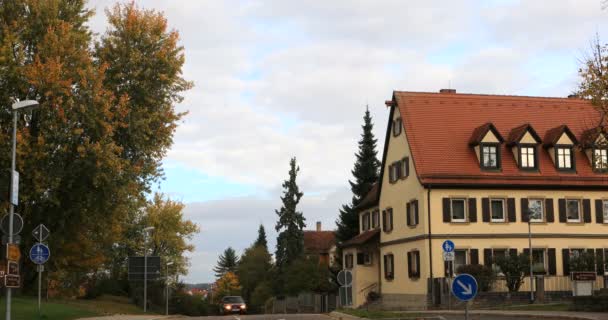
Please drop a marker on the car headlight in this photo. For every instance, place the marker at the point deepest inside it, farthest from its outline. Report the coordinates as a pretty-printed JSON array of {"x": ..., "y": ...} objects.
[
  {"x": 228, "y": 307},
  {"x": 243, "y": 306}
]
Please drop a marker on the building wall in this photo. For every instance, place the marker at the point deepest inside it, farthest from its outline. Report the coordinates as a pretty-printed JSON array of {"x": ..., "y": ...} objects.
[{"x": 365, "y": 277}]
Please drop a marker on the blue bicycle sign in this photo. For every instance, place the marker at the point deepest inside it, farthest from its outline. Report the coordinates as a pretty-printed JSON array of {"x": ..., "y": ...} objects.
[{"x": 40, "y": 253}]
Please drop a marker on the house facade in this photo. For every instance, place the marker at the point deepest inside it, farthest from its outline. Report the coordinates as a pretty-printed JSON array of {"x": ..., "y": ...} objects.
[
  {"x": 477, "y": 169},
  {"x": 320, "y": 245}
]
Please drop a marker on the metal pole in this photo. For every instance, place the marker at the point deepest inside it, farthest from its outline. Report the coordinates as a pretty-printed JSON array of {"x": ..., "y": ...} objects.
[
  {"x": 39, "y": 290},
  {"x": 466, "y": 310},
  {"x": 9, "y": 292},
  {"x": 531, "y": 260},
  {"x": 145, "y": 271},
  {"x": 167, "y": 291}
]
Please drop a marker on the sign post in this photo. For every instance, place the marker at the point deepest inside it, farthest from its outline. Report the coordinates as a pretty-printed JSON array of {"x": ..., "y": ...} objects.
[
  {"x": 40, "y": 254},
  {"x": 448, "y": 256},
  {"x": 465, "y": 289},
  {"x": 345, "y": 279}
]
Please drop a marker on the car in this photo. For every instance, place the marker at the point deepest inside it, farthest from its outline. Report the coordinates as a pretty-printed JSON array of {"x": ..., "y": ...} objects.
[{"x": 233, "y": 304}]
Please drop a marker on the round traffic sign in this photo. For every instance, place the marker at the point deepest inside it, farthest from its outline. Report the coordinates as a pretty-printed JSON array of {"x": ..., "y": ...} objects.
[
  {"x": 17, "y": 223},
  {"x": 345, "y": 278},
  {"x": 464, "y": 287},
  {"x": 40, "y": 253},
  {"x": 448, "y": 246}
]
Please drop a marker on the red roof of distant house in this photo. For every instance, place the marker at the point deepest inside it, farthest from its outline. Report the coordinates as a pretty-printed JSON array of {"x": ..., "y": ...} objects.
[
  {"x": 440, "y": 127},
  {"x": 318, "y": 241},
  {"x": 362, "y": 238}
]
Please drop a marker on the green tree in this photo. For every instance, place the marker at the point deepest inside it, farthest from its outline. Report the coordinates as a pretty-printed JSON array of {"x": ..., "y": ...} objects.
[
  {"x": 227, "y": 262},
  {"x": 261, "y": 240},
  {"x": 582, "y": 261},
  {"x": 307, "y": 275},
  {"x": 290, "y": 241},
  {"x": 226, "y": 285},
  {"x": 594, "y": 79},
  {"x": 365, "y": 173},
  {"x": 260, "y": 295},
  {"x": 515, "y": 268},
  {"x": 253, "y": 269}
]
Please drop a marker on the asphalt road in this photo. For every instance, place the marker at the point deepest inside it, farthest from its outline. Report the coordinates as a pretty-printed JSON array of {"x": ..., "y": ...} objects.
[{"x": 268, "y": 317}]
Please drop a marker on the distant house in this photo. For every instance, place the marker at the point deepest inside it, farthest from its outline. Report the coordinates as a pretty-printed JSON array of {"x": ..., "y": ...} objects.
[{"x": 321, "y": 244}]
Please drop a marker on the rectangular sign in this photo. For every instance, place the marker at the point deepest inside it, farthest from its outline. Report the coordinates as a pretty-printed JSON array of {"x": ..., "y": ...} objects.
[
  {"x": 15, "y": 188},
  {"x": 12, "y": 252},
  {"x": 12, "y": 281},
  {"x": 583, "y": 276},
  {"x": 12, "y": 268},
  {"x": 136, "y": 268},
  {"x": 448, "y": 256}
]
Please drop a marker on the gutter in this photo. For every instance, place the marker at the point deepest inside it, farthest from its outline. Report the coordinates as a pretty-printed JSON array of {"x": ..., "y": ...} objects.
[{"x": 428, "y": 211}]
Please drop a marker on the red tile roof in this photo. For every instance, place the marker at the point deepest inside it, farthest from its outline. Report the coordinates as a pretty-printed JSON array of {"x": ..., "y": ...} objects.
[
  {"x": 371, "y": 198},
  {"x": 439, "y": 128},
  {"x": 362, "y": 238},
  {"x": 554, "y": 134},
  {"x": 480, "y": 132},
  {"x": 318, "y": 241}
]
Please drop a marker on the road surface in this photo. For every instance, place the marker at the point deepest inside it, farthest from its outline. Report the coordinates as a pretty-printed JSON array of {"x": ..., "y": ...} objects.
[{"x": 267, "y": 317}]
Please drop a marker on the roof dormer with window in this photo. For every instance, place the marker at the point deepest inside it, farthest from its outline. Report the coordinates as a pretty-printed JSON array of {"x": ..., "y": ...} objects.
[
  {"x": 524, "y": 142},
  {"x": 560, "y": 143},
  {"x": 486, "y": 141},
  {"x": 595, "y": 146}
]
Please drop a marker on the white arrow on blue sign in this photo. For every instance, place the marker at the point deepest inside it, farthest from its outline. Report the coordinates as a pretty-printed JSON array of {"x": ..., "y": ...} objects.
[
  {"x": 448, "y": 246},
  {"x": 40, "y": 253},
  {"x": 464, "y": 287}
]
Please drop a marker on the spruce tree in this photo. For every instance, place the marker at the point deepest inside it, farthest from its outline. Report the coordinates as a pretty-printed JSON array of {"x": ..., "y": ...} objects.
[
  {"x": 365, "y": 173},
  {"x": 261, "y": 240},
  {"x": 290, "y": 241},
  {"x": 227, "y": 262}
]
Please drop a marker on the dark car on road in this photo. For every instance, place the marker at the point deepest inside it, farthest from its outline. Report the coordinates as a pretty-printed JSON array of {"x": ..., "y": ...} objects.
[{"x": 233, "y": 304}]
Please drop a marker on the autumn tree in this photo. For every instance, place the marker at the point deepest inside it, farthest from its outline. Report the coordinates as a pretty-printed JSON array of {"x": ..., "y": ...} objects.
[
  {"x": 594, "y": 79},
  {"x": 226, "y": 262},
  {"x": 227, "y": 285}
]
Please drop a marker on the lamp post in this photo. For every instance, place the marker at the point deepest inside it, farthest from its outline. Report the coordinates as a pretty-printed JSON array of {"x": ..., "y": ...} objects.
[
  {"x": 531, "y": 216},
  {"x": 167, "y": 288},
  {"x": 16, "y": 106},
  {"x": 146, "y": 232}
]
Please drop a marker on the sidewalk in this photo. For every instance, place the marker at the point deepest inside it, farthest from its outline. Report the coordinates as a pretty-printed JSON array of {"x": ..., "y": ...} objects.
[
  {"x": 528, "y": 314},
  {"x": 131, "y": 317}
]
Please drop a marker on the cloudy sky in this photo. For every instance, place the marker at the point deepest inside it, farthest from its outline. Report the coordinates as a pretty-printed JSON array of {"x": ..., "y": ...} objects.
[{"x": 276, "y": 79}]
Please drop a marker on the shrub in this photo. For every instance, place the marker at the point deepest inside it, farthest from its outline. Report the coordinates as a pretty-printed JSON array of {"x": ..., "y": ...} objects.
[
  {"x": 584, "y": 261},
  {"x": 515, "y": 268},
  {"x": 590, "y": 304},
  {"x": 484, "y": 275},
  {"x": 260, "y": 295},
  {"x": 188, "y": 305}
]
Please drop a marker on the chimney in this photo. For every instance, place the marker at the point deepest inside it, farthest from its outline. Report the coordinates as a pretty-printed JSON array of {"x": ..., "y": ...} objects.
[
  {"x": 318, "y": 225},
  {"x": 447, "y": 91}
]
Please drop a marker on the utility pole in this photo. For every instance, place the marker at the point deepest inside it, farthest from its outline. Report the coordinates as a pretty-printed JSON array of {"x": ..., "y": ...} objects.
[
  {"x": 531, "y": 255},
  {"x": 146, "y": 230},
  {"x": 167, "y": 288}
]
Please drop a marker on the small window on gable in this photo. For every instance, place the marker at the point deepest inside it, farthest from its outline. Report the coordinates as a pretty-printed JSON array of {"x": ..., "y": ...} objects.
[
  {"x": 600, "y": 159},
  {"x": 490, "y": 156},
  {"x": 397, "y": 126},
  {"x": 564, "y": 158},
  {"x": 525, "y": 141},
  {"x": 486, "y": 141},
  {"x": 527, "y": 156}
]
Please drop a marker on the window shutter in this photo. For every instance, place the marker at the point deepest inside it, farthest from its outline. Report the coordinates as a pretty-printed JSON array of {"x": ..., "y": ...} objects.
[
  {"x": 392, "y": 267},
  {"x": 487, "y": 257},
  {"x": 385, "y": 266},
  {"x": 406, "y": 164},
  {"x": 446, "y": 268},
  {"x": 409, "y": 265},
  {"x": 587, "y": 210},
  {"x": 561, "y": 203},
  {"x": 360, "y": 258},
  {"x": 551, "y": 261},
  {"x": 599, "y": 261},
  {"x": 446, "y": 210},
  {"x": 513, "y": 252},
  {"x": 474, "y": 256},
  {"x": 549, "y": 210},
  {"x": 511, "y": 209},
  {"x": 527, "y": 251},
  {"x": 417, "y": 220},
  {"x": 472, "y": 210},
  {"x": 399, "y": 168},
  {"x": 485, "y": 209},
  {"x": 525, "y": 216},
  {"x": 417, "y": 262},
  {"x": 408, "y": 207},
  {"x": 390, "y": 220},
  {"x": 599, "y": 211},
  {"x": 566, "y": 260},
  {"x": 384, "y": 220},
  {"x": 391, "y": 173}
]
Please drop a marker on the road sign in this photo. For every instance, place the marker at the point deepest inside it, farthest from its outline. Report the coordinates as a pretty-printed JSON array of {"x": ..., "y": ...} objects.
[
  {"x": 345, "y": 278},
  {"x": 2, "y": 269},
  {"x": 15, "y": 188},
  {"x": 41, "y": 233},
  {"x": 12, "y": 252},
  {"x": 136, "y": 268},
  {"x": 12, "y": 281},
  {"x": 12, "y": 268},
  {"x": 448, "y": 256},
  {"x": 448, "y": 246},
  {"x": 16, "y": 239},
  {"x": 17, "y": 223},
  {"x": 464, "y": 287},
  {"x": 40, "y": 253}
]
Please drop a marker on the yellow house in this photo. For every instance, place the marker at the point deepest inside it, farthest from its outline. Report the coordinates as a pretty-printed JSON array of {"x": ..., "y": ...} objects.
[{"x": 478, "y": 170}]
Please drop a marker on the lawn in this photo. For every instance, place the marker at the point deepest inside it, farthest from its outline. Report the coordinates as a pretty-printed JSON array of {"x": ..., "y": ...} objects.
[
  {"x": 25, "y": 308},
  {"x": 381, "y": 314},
  {"x": 539, "y": 307}
]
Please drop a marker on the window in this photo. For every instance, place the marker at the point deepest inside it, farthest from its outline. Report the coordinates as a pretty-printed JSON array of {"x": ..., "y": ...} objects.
[
  {"x": 365, "y": 221},
  {"x": 600, "y": 159},
  {"x": 605, "y": 210},
  {"x": 412, "y": 213},
  {"x": 497, "y": 210},
  {"x": 527, "y": 157},
  {"x": 573, "y": 210},
  {"x": 397, "y": 127},
  {"x": 375, "y": 219},
  {"x": 489, "y": 156},
  {"x": 393, "y": 170},
  {"x": 539, "y": 261},
  {"x": 348, "y": 261},
  {"x": 367, "y": 259},
  {"x": 564, "y": 158},
  {"x": 389, "y": 267},
  {"x": 458, "y": 210},
  {"x": 536, "y": 210},
  {"x": 413, "y": 264},
  {"x": 399, "y": 170},
  {"x": 606, "y": 261},
  {"x": 387, "y": 220},
  {"x": 405, "y": 170},
  {"x": 461, "y": 258},
  {"x": 498, "y": 254}
]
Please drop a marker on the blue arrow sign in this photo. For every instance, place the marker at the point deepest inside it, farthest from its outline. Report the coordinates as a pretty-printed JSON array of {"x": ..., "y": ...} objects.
[
  {"x": 448, "y": 246},
  {"x": 464, "y": 287},
  {"x": 40, "y": 253}
]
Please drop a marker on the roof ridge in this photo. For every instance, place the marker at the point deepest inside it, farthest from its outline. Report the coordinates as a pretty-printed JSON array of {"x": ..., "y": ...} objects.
[{"x": 499, "y": 96}]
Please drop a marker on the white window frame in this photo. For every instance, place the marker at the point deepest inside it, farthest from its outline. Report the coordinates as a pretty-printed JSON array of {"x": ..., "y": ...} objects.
[
  {"x": 412, "y": 214},
  {"x": 542, "y": 209},
  {"x": 544, "y": 255},
  {"x": 367, "y": 258},
  {"x": 578, "y": 202},
  {"x": 389, "y": 265},
  {"x": 564, "y": 160},
  {"x": 414, "y": 268},
  {"x": 605, "y": 210},
  {"x": 375, "y": 219},
  {"x": 485, "y": 157},
  {"x": 504, "y": 218},
  {"x": 397, "y": 123},
  {"x": 530, "y": 157},
  {"x": 349, "y": 261},
  {"x": 464, "y": 202},
  {"x": 602, "y": 164},
  {"x": 366, "y": 221}
]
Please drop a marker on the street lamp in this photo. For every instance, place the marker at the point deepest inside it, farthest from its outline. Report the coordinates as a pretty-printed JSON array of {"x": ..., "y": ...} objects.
[
  {"x": 531, "y": 215},
  {"x": 167, "y": 287},
  {"x": 146, "y": 232},
  {"x": 14, "y": 185}
]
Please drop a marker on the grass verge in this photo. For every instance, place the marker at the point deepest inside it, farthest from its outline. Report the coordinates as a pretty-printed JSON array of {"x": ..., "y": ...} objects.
[{"x": 381, "y": 314}]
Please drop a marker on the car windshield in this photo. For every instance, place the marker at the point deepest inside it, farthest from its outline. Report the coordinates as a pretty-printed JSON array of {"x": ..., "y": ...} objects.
[{"x": 233, "y": 299}]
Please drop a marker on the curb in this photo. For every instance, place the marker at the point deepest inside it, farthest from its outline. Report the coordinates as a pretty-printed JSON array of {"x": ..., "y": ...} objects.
[{"x": 438, "y": 315}]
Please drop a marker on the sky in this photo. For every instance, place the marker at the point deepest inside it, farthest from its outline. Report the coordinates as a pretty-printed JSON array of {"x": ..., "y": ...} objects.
[{"x": 279, "y": 79}]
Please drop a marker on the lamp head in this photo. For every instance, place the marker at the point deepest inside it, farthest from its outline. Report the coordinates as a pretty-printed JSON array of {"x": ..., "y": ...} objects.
[
  {"x": 170, "y": 263},
  {"x": 25, "y": 104}
]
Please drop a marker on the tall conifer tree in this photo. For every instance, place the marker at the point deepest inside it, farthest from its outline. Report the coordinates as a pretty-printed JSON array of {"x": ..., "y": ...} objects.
[
  {"x": 261, "y": 240},
  {"x": 365, "y": 173},
  {"x": 227, "y": 262}
]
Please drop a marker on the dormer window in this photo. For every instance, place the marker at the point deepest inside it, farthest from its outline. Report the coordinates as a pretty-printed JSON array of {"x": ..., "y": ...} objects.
[
  {"x": 397, "y": 125},
  {"x": 563, "y": 158},
  {"x": 490, "y": 158},
  {"x": 595, "y": 144},
  {"x": 527, "y": 156},
  {"x": 600, "y": 159},
  {"x": 486, "y": 142},
  {"x": 524, "y": 142},
  {"x": 560, "y": 142}
]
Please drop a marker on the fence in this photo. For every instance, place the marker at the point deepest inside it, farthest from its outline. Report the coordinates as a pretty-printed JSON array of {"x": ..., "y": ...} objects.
[
  {"x": 551, "y": 284},
  {"x": 304, "y": 303}
]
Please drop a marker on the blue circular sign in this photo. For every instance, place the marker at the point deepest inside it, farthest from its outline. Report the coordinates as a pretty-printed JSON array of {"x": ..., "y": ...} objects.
[
  {"x": 448, "y": 246},
  {"x": 40, "y": 253},
  {"x": 464, "y": 287}
]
